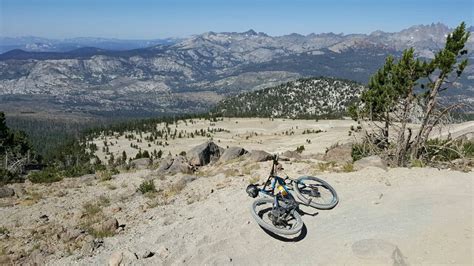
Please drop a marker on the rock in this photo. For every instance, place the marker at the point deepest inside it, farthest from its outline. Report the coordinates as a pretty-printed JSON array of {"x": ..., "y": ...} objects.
[
  {"x": 458, "y": 161},
  {"x": 187, "y": 179},
  {"x": 180, "y": 165},
  {"x": 291, "y": 154},
  {"x": 163, "y": 252},
  {"x": 232, "y": 153},
  {"x": 147, "y": 254},
  {"x": 36, "y": 258},
  {"x": 116, "y": 209},
  {"x": 129, "y": 257},
  {"x": 19, "y": 190},
  {"x": 141, "y": 163},
  {"x": 87, "y": 178},
  {"x": 259, "y": 156},
  {"x": 174, "y": 165},
  {"x": 88, "y": 245},
  {"x": 6, "y": 192},
  {"x": 371, "y": 161},
  {"x": 204, "y": 154},
  {"x": 340, "y": 154},
  {"x": 166, "y": 163},
  {"x": 378, "y": 251},
  {"x": 109, "y": 225},
  {"x": 97, "y": 243},
  {"x": 71, "y": 234},
  {"x": 44, "y": 218},
  {"x": 115, "y": 259}
]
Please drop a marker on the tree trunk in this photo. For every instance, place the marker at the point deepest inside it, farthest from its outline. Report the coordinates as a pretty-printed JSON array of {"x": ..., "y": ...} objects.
[
  {"x": 401, "y": 143},
  {"x": 425, "y": 128}
]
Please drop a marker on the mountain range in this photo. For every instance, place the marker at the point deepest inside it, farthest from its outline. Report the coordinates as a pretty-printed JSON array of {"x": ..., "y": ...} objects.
[
  {"x": 193, "y": 74},
  {"x": 39, "y": 44}
]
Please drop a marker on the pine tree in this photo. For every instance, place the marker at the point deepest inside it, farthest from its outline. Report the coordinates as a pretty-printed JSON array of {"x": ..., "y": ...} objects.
[
  {"x": 447, "y": 66},
  {"x": 394, "y": 91}
]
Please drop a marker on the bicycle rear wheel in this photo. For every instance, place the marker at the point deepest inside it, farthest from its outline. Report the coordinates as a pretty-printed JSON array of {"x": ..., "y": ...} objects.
[
  {"x": 315, "y": 192},
  {"x": 262, "y": 211}
]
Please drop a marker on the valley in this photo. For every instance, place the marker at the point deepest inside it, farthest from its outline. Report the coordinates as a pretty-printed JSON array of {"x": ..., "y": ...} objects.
[{"x": 195, "y": 73}]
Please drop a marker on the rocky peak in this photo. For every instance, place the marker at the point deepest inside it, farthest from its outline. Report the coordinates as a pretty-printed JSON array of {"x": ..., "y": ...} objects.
[{"x": 250, "y": 32}]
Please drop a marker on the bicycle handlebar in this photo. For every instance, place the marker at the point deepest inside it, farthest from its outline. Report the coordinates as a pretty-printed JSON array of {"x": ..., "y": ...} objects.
[{"x": 275, "y": 159}]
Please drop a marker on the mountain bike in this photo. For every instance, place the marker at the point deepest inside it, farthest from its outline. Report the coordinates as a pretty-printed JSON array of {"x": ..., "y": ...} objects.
[{"x": 277, "y": 210}]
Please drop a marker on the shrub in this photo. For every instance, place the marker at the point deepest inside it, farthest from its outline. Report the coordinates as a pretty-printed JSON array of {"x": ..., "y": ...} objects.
[
  {"x": 78, "y": 170},
  {"x": 4, "y": 230},
  {"x": 104, "y": 175},
  {"x": 448, "y": 150},
  {"x": 147, "y": 187},
  {"x": 114, "y": 171},
  {"x": 104, "y": 201},
  {"x": 359, "y": 151},
  {"x": 300, "y": 149},
  {"x": 9, "y": 177},
  {"x": 91, "y": 209},
  {"x": 48, "y": 175},
  {"x": 100, "y": 233}
]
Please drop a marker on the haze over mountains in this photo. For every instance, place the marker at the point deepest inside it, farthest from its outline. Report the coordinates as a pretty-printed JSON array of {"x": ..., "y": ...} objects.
[
  {"x": 39, "y": 44},
  {"x": 193, "y": 74}
]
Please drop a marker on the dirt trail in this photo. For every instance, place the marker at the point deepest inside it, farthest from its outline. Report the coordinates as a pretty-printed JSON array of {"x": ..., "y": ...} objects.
[{"x": 403, "y": 216}]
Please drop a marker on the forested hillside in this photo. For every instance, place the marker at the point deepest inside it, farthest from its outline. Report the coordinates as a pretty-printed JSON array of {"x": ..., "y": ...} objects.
[{"x": 303, "y": 98}]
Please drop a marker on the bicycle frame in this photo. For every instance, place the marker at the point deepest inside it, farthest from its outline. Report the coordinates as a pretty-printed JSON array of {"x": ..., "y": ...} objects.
[{"x": 276, "y": 180}]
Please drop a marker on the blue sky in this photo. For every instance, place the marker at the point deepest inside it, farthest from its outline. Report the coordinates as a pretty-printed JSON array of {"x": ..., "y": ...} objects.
[{"x": 146, "y": 19}]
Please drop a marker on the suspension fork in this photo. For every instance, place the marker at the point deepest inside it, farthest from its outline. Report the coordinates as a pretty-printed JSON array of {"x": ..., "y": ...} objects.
[{"x": 272, "y": 173}]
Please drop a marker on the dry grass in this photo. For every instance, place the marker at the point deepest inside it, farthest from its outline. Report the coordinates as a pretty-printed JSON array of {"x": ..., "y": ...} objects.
[
  {"x": 254, "y": 180},
  {"x": 348, "y": 167},
  {"x": 93, "y": 214},
  {"x": 174, "y": 189},
  {"x": 325, "y": 166},
  {"x": 166, "y": 196},
  {"x": 32, "y": 198},
  {"x": 91, "y": 209},
  {"x": 417, "y": 163},
  {"x": 231, "y": 172},
  {"x": 204, "y": 172},
  {"x": 60, "y": 193},
  {"x": 103, "y": 201},
  {"x": 248, "y": 169}
]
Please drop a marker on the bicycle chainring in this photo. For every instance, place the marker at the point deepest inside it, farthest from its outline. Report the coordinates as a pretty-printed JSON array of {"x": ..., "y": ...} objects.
[{"x": 278, "y": 216}]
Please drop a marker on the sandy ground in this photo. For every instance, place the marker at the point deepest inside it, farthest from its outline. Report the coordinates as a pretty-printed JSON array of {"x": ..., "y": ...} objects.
[
  {"x": 425, "y": 216},
  {"x": 276, "y": 135},
  {"x": 397, "y": 217},
  {"x": 271, "y": 136}
]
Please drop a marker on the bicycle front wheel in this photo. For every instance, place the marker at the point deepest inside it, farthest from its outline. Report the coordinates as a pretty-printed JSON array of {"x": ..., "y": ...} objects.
[
  {"x": 262, "y": 211},
  {"x": 315, "y": 192}
]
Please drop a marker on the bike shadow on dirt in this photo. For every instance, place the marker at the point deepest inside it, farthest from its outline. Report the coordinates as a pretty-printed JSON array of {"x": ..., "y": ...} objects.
[{"x": 299, "y": 237}]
